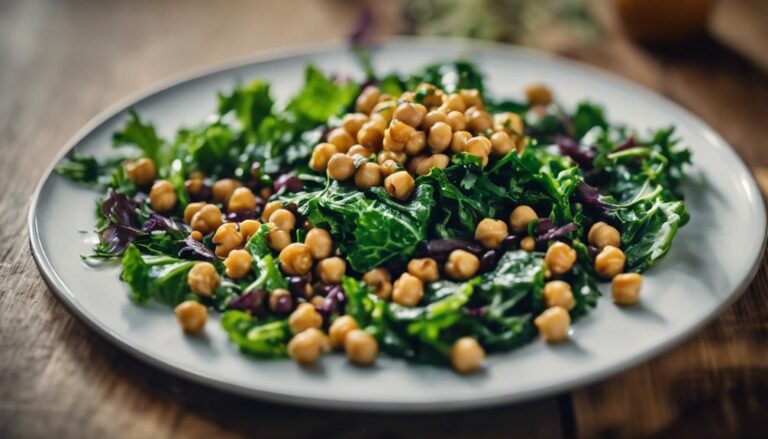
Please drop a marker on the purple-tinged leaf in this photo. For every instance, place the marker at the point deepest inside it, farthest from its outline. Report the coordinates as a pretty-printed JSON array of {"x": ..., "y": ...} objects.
[
  {"x": 196, "y": 250},
  {"x": 116, "y": 238},
  {"x": 119, "y": 209},
  {"x": 590, "y": 197},
  {"x": 583, "y": 156}
]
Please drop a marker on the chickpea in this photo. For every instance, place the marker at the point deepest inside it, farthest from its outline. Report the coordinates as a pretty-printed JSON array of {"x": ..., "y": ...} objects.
[
  {"x": 521, "y": 217},
  {"x": 625, "y": 288},
  {"x": 389, "y": 167},
  {"x": 162, "y": 196},
  {"x": 528, "y": 244},
  {"x": 558, "y": 293},
  {"x": 265, "y": 192},
  {"x": 501, "y": 143},
  {"x": 371, "y": 136},
  {"x": 471, "y": 97},
  {"x": 425, "y": 269},
  {"x": 269, "y": 209},
  {"x": 307, "y": 346},
  {"x": 320, "y": 156},
  {"x": 408, "y": 290},
  {"x": 222, "y": 189},
  {"x": 491, "y": 232},
  {"x": 400, "y": 185},
  {"x": 461, "y": 265},
  {"x": 361, "y": 347},
  {"x": 553, "y": 324},
  {"x": 416, "y": 143},
  {"x": 602, "y": 234},
  {"x": 317, "y": 301},
  {"x": 610, "y": 262},
  {"x": 203, "y": 279},
  {"x": 283, "y": 219},
  {"x": 196, "y": 189},
  {"x": 353, "y": 122},
  {"x": 478, "y": 120},
  {"x": 341, "y": 139},
  {"x": 510, "y": 123},
  {"x": 303, "y": 317},
  {"x": 454, "y": 102},
  {"x": 196, "y": 175},
  {"x": 368, "y": 98},
  {"x": 241, "y": 199},
  {"x": 238, "y": 263},
  {"x": 341, "y": 167},
  {"x": 339, "y": 330},
  {"x": 295, "y": 259},
  {"x": 479, "y": 147},
  {"x": 440, "y": 136},
  {"x": 415, "y": 163},
  {"x": 398, "y": 157},
  {"x": 386, "y": 108},
  {"x": 368, "y": 175},
  {"x": 424, "y": 166},
  {"x": 358, "y": 150},
  {"x": 432, "y": 95},
  {"x": 197, "y": 236},
  {"x": 377, "y": 121},
  {"x": 408, "y": 113},
  {"x": 227, "y": 235},
  {"x": 432, "y": 118},
  {"x": 278, "y": 239},
  {"x": 319, "y": 243},
  {"x": 207, "y": 219},
  {"x": 331, "y": 270},
  {"x": 560, "y": 258},
  {"x": 380, "y": 280},
  {"x": 538, "y": 94},
  {"x": 467, "y": 355},
  {"x": 191, "y": 210},
  {"x": 400, "y": 131},
  {"x": 141, "y": 172},
  {"x": 275, "y": 304},
  {"x": 191, "y": 316},
  {"x": 459, "y": 141},
  {"x": 389, "y": 144},
  {"x": 456, "y": 120},
  {"x": 249, "y": 228}
]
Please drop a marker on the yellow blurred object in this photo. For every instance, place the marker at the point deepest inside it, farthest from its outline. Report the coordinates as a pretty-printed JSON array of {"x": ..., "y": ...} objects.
[{"x": 664, "y": 21}]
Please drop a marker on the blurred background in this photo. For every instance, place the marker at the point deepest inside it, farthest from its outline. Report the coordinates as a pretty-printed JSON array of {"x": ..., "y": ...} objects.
[{"x": 63, "y": 61}]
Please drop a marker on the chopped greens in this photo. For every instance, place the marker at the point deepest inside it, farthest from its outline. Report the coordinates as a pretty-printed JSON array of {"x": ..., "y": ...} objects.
[{"x": 505, "y": 240}]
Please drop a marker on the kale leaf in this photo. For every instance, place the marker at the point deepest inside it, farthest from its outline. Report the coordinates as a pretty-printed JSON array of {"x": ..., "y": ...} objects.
[
  {"x": 265, "y": 338},
  {"x": 163, "y": 278},
  {"x": 370, "y": 227}
]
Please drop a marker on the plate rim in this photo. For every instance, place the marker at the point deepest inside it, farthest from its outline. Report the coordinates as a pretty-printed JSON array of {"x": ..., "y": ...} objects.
[{"x": 59, "y": 289}]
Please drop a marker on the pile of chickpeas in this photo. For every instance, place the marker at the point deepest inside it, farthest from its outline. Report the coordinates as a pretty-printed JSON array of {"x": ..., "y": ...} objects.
[
  {"x": 411, "y": 134},
  {"x": 408, "y": 136}
]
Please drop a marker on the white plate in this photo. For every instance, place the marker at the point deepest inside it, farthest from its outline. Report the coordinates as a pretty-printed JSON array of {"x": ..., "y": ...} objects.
[{"x": 712, "y": 260}]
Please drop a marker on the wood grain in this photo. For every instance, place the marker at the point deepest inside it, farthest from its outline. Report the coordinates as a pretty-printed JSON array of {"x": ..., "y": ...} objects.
[{"x": 61, "y": 62}]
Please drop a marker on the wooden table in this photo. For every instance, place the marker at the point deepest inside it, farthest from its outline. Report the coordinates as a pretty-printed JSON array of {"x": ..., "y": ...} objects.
[{"x": 61, "y": 62}]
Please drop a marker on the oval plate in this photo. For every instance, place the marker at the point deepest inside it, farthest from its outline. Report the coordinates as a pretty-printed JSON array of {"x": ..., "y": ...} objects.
[{"x": 712, "y": 260}]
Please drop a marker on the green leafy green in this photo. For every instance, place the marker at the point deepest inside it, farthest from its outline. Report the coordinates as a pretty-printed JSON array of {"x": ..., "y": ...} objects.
[
  {"x": 265, "y": 266},
  {"x": 143, "y": 136},
  {"x": 163, "y": 278},
  {"x": 266, "y": 338},
  {"x": 370, "y": 227}
]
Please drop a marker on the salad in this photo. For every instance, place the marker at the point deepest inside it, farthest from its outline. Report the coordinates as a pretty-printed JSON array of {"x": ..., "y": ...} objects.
[{"x": 416, "y": 216}]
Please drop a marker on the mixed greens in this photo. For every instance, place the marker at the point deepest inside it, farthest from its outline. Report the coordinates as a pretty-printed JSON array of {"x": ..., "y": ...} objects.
[{"x": 443, "y": 248}]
